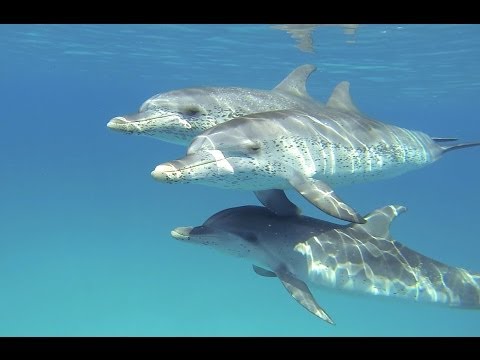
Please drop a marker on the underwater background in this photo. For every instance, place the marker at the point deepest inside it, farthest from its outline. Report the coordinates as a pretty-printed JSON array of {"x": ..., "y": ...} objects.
[{"x": 85, "y": 245}]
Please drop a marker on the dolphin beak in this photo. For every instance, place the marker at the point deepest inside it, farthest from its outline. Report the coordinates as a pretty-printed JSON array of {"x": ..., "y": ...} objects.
[
  {"x": 117, "y": 123},
  {"x": 127, "y": 123},
  {"x": 193, "y": 167},
  {"x": 181, "y": 233},
  {"x": 166, "y": 172}
]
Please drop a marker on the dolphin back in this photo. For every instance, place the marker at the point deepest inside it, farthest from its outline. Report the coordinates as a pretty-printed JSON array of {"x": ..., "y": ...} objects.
[{"x": 364, "y": 258}]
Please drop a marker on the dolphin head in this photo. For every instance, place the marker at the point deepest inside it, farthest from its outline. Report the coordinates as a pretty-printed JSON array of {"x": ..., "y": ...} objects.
[
  {"x": 177, "y": 116},
  {"x": 238, "y": 154},
  {"x": 231, "y": 231}
]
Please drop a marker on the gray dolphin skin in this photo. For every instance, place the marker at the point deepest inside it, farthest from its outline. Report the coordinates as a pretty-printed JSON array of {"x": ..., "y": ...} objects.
[
  {"x": 180, "y": 115},
  {"x": 310, "y": 153},
  {"x": 363, "y": 258}
]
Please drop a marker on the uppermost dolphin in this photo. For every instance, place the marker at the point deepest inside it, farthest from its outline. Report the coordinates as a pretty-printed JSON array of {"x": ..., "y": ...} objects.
[{"x": 178, "y": 116}]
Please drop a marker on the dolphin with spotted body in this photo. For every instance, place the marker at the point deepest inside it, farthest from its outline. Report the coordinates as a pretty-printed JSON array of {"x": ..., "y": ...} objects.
[
  {"x": 278, "y": 150},
  {"x": 178, "y": 116},
  {"x": 364, "y": 258}
]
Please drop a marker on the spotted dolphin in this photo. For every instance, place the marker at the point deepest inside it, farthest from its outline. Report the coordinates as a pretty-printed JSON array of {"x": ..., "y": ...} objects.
[
  {"x": 363, "y": 258},
  {"x": 287, "y": 149},
  {"x": 180, "y": 115}
]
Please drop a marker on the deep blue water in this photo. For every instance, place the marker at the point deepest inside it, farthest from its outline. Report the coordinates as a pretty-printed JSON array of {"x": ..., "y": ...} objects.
[{"x": 85, "y": 246}]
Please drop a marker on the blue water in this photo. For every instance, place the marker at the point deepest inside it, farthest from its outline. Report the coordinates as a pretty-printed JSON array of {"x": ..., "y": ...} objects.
[{"x": 85, "y": 246}]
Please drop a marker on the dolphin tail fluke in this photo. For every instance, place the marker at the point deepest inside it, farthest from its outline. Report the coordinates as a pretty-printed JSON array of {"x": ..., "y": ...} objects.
[
  {"x": 459, "y": 146},
  {"x": 436, "y": 139}
]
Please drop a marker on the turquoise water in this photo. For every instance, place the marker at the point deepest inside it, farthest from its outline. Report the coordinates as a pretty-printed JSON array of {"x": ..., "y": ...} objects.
[{"x": 85, "y": 246}]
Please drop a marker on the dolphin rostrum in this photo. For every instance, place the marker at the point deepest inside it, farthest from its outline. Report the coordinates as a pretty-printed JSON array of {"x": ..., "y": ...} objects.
[
  {"x": 180, "y": 115},
  {"x": 277, "y": 150},
  {"x": 364, "y": 258}
]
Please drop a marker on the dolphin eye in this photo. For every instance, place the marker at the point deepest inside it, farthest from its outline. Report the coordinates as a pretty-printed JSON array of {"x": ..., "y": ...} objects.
[
  {"x": 192, "y": 111},
  {"x": 254, "y": 147}
]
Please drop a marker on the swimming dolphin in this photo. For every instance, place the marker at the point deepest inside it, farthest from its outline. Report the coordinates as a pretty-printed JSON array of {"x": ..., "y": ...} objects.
[
  {"x": 180, "y": 115},
  {"x": 309, "y": 153},
  {"x": 357, "y": 257}
]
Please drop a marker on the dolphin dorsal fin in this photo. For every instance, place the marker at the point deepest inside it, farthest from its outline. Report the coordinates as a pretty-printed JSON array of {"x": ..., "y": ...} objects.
[
  {"x": 341, "y": 100},
  {"x": 295, "y": 82},
  {"x": 378, "y": 221}
]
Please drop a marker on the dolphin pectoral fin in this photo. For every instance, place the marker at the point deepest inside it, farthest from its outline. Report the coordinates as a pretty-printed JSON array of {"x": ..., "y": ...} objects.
[
  {"x": 277, "y": 202},
  {"x": 300, "y": 292},
  {"x": 295, "y": 82},
  {"x": 263, "y": 272},
  {"x": 323, "y": 197}
]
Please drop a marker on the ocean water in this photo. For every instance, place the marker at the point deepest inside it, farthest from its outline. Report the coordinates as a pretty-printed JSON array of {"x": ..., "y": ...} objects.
[{"x": 85, "y": 245}]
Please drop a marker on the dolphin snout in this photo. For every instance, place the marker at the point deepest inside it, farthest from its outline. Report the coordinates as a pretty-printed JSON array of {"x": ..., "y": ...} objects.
[
  {"x": 116, "y": 122},
  {"x": 166, "y": 172},
  {"x": 181, "y": 233},
  {"x": 126, "y": 124}
]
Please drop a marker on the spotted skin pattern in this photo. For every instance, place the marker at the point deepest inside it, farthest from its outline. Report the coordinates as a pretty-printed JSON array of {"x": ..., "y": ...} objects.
[
  {"x": 262, "y": 151},
  {"x": 178, "y": 116},
  {"x": 286, "y": 149},
  {"x": 362, "y": 258}
]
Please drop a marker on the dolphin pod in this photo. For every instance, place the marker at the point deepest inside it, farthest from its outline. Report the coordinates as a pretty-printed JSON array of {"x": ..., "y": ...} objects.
[
  {"x": 268, "y": 141},
  {"x": 363, "y": 258}
]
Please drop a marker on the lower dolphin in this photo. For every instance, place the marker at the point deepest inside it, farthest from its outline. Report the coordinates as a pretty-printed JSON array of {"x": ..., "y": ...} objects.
[{"x": 364, "y": 258}]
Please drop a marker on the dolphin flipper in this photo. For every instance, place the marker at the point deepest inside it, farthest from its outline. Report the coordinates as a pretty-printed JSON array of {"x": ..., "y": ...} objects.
[
  {"x": 300, "y": 292},
  {"x": 263, "y": 272},
  {"x": 323, "y": 197},
  {"x": 277, "y": 202}
]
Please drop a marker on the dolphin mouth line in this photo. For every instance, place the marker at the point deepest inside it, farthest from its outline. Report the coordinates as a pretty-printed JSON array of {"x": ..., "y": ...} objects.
[
  {"x": 181, "y": 233},
  {"x": 191, "y": 166},
  {"x": 156, "y": 117},
  {"x": 122, "y": 120}
]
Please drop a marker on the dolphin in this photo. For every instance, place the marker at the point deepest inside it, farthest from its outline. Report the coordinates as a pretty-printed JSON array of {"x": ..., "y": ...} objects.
[
  {"x": 363, "y": 258},
  {"x": 278, "y": 150},
  {"x": 180, "y": 115}
]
